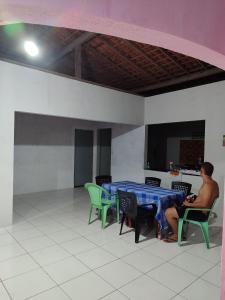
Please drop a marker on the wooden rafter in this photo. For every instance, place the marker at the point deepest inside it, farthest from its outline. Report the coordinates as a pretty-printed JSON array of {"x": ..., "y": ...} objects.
[
  {"x": 78, "y": 62},
  {"x": 174, "y": 61},
  {"x": 148, "y": 58},
  {"x": 108, "y": 60},
  {"x": 173, "y": 58},
  {"x": 124, "y": 58},
  {"x": 69, "y": 48},
  {"x": 181, "y": 79}
]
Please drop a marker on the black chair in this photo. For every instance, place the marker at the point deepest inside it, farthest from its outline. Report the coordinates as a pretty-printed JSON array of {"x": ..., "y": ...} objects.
[
  {"x": 103, "y": 179},
  {"x": 181, "y": 186},
  {"x": 138, "y": 214},
  {"x": 153, "y": 181}
]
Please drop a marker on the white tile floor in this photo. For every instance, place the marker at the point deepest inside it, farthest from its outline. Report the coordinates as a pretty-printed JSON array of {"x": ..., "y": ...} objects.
[{"x": 50, "y": 253}]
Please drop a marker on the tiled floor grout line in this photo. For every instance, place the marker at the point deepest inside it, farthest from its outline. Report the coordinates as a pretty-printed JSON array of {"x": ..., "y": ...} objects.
[
  {"x": 183, "y": 269},
  {"x": 116, "y": 259},
  {"x": 70, "y": 255},
  {"x": 42, "y": 268},
  {"x": 48, "y": 291},
  {"x": 116, "y": 290},
  {"x": 197, "y": 278},
  {"x": 67, "y": 227},
  {"x": 93, "y": 270},
  {"x": 7, "y": 290},
  {"x": 187, "y": 251},
  {"x": 167, "y": 261},
  {"x": 12, "y": 258},
  {"x": 122, "y": 284},
  {"x": 167, "y": 286}
]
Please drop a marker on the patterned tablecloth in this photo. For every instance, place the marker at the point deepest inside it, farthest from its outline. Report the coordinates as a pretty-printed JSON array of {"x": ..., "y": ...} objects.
[{"x": 146, "y": 194}]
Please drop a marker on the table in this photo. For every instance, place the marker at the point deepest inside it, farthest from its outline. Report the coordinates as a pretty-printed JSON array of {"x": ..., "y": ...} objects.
[{"x": 146, "y": 194}]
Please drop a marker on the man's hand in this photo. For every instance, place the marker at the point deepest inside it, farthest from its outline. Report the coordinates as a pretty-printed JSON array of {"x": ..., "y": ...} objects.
[{"x": 186, "y": 203}]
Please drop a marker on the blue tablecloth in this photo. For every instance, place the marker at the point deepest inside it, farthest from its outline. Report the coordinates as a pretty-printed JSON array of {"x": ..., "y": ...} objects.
[{"x": 146, "y": 194}]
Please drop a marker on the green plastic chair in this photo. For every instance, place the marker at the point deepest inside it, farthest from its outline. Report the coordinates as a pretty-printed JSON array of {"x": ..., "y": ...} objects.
[
  {"x": 204, "y": 225},
  {"x": 102, "y": 204}
]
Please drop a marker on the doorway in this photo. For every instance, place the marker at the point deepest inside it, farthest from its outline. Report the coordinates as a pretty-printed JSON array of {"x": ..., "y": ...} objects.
[
  {"x": 83, "y": 157},
  {"x": 104, "y": 137}
]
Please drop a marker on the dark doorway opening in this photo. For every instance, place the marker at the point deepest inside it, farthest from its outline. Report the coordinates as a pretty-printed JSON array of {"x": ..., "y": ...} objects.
[
  {"x": 104, "y": 137},
  {"x": 83, "y": 157}
]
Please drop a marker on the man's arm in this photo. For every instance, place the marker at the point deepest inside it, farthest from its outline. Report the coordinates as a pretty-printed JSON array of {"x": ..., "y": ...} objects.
[{"x": 203, "y": 199}]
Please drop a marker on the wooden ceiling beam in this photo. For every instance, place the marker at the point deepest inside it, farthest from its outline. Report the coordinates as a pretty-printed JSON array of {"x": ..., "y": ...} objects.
[
  {"x": 178, "y": 80},
  {"x": 107, "y": 59},
  {"x": 131, "y": 81},
  {"x": 124, "y": 58},
  {"x": 173, "y": 60},
  {"x": 146, "y": 56},
  {"x": 78, "y": 62},
  {"x": 69, "y": 48}
]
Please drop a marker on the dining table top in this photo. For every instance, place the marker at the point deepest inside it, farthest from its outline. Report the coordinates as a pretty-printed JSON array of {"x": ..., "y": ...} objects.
[{"x": 147, "y": 194}]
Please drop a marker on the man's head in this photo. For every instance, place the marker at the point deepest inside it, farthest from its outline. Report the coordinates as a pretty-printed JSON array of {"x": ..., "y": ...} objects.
[{"x": 206, "y": 169}]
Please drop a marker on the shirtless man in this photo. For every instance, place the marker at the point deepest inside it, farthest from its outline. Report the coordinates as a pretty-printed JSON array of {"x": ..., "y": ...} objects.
[{"x": 208, "y": 192}]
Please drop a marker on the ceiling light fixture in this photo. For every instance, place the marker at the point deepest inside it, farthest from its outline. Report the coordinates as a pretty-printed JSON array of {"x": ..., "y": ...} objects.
[{"x": 31, "y": 48}]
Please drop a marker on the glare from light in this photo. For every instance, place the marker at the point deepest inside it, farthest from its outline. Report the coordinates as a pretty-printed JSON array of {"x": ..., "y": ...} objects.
[{"x": 31, "y": 48}]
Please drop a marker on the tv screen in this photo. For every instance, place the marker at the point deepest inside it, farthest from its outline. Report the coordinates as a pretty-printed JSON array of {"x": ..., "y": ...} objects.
[{"x": 181, "y": 143}]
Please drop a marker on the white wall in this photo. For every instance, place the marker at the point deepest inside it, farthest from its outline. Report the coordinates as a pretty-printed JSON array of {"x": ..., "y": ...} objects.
[
  {"x": 128, "y": 145},
  {"x": 44, "y": 152},
  {"x": 28, "y": 90},
  {"x": 205, "y": 102}
]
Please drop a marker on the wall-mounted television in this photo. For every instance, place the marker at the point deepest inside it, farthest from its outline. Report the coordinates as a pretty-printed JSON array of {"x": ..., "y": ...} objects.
[{"x": 182, "y": 143}]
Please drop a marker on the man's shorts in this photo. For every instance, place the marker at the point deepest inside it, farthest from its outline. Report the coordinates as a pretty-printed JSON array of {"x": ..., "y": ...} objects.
[{"x": 195, "y": 215}]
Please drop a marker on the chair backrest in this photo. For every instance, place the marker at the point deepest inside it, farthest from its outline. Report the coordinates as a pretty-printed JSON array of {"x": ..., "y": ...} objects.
[
  {"x": 95, "y": 193},
  {"x": 211, "y": 209},
  {"x": 153, "y": 181},
  {"x": 182, "y": 186},
  {"x": 128, "y": 203},
  {"x": 103, "y": 179}
]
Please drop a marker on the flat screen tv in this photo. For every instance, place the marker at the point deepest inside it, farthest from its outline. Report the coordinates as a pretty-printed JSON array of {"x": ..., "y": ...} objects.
[{"x": 181, "y": 143}]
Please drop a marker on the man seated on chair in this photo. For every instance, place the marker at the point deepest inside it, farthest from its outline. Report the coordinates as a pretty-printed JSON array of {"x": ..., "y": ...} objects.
[{"x": 208, "y": 192}]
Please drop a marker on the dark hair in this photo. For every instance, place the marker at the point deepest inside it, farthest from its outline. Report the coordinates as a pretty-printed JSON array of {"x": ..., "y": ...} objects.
[{"x": 208, "y": 168}]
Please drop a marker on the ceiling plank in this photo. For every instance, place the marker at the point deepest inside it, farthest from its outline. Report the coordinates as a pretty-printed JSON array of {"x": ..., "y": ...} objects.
[
  {"x": 124, "y": 58},
  {"x": 78, "y": 62},
  {"x": 178, "y": 80},
  {"x": 69, "y": 48},
  {"x": 146, "y": 56},
  {"x": 101, "y": 56},
  {"x": 173, "y": 60}
]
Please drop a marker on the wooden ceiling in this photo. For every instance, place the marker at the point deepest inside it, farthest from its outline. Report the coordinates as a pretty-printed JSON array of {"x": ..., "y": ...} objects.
[{"x": 106, "y": 60}]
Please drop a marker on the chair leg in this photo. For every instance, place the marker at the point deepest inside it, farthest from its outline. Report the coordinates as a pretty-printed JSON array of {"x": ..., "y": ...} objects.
[
  {"x": 104, "y": 215},
  {"x": 137, "y": 230},
  {"x": 122, "y": 221},
  {"x": 117, "y": 210},
  {"x": 205, "y": 231},
  {"x": 99, "y": 214},
  {"x": 89, "y": 220},
  {"x": 185, "y": 234},
  {"x": 180, "y": 228},
  {"x": 157, "y": 228}
]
